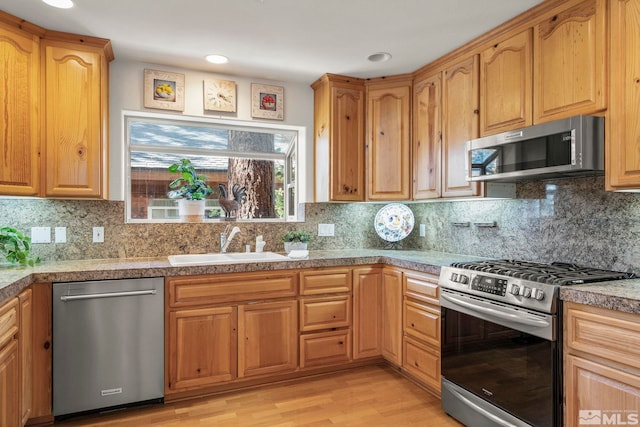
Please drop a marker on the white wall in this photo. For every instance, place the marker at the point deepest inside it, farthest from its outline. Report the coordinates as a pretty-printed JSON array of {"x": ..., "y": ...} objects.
[{"x": 126, "y": 93}]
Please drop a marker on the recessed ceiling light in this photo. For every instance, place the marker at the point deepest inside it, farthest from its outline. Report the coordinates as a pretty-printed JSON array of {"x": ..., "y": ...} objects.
[
  {"x": 62, "y": 4},
  {"x": 380, "y": 57},
  {"x": 217, "y": 59}
]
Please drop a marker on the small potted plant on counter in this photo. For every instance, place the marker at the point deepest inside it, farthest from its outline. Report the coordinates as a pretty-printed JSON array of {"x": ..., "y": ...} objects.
[
  {"x": 16, "y": 247},
  {"x": 296, "y": 240},
  {"x": 191, "y": 195}
]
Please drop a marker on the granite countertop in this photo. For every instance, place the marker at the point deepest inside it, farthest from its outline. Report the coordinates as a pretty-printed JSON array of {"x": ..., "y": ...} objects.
[
  {"x": 14, "y": 279},
  {"x": 621, "y": 295}
]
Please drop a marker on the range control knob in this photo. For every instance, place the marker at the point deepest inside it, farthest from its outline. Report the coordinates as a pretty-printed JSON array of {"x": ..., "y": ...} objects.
[
  {"x": 515, "y": 290},
  {"x": 538, "y": 294},
  {"x": 526, "y": 292},
  {"x": 463, "y": 279}
]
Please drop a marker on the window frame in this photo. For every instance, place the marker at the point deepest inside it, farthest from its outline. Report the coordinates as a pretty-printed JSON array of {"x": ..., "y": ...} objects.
[{"x": 293, "y": 151}]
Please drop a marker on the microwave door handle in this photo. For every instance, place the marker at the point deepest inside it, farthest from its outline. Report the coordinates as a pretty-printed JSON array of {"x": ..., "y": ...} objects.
[
  {"x": 520, "y": 317},
  {"x": 573, "y": 147}
]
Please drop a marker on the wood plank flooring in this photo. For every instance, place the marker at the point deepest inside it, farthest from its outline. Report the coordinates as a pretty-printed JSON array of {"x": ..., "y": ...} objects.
[{"x": 372, "y": 396}]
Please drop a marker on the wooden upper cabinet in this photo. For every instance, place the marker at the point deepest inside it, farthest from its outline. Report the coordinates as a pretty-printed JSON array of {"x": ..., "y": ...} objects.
[
  {"x": 427, "y": 105},
  {"x": 339, "y": 138},
  {"x": 623, "y": 127},
  {"x": 506, "y": 85},
  {"x": 389, "y": 139},
  {"x": 570, "y": 62},
  {"x": 460, "y": 123},
  {"x": 19, "y": 135},
  {"x": 75, "y": 100}
]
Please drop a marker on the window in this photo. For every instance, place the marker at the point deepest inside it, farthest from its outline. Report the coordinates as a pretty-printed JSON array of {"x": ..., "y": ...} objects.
[{"x": 260, "y": 157}]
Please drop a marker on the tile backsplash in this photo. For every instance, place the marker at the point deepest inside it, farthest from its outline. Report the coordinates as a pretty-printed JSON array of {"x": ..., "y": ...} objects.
[{"x": 569, "y": 220}]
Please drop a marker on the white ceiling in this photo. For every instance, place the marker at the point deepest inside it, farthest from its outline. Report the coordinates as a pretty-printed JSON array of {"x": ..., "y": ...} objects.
[{"x": 285, "y": 40}]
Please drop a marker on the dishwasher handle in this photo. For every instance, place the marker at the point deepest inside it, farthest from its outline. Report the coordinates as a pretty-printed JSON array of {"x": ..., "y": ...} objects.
[{"x": 66, "y": 298}]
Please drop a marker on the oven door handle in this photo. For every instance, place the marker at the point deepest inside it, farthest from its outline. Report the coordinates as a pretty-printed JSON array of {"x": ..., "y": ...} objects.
[{"x": 517, "y": 317}]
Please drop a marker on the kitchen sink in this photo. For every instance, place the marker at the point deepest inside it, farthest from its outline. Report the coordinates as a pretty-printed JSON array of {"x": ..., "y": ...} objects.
[{"x": 225, "y": 258}]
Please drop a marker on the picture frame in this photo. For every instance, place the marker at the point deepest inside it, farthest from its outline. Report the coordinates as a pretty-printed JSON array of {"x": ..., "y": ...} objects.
[
  {"x": 163, "y": 90},
  {"x": 219, "y": 95},
  {"x": 267, "y": 102}
]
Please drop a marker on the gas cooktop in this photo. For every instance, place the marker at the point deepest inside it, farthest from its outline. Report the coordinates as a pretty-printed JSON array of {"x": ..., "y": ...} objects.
[{"x": 555, "y": 273}]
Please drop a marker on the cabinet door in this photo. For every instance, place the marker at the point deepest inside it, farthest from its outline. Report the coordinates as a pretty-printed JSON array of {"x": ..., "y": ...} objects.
[
  {"x": 202, "y": 347},
  {"x": 427, "y": 137},
  {"x": 26, "y": 353},
  {"x": 388, "y": 145},
  {"x": 75, "y": 119},
  {"x": 506, "y": 85},
  {"x": 392, "y": 316},
  {"x": 623, "y": 127},
  {"x": 367, "y": 319},
  {"x": 10, "y": 385},
  {"x": 459, "y": 125},
  {"x": 19, "y": 135},
  {"x": 596, "y": 390},
  {"x": 268, "y": 338},
  {"x": 569, "y": 60},
  {"x": 347, "y": 144}
]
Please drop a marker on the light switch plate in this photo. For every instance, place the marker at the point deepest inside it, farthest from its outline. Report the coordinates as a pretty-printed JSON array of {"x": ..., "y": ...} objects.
[
  {"x": 423, "y": 230},
  {"x": 40, "y": 234},
  {"x": 61, "y": 234},
  {"x": 98, "y": 234},
  {"x": 326, "y": 230}
]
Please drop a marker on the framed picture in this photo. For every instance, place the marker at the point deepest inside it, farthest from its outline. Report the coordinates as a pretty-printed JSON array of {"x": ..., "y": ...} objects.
[
  {"x": 267, "y": 102},
  {"x": 163, "y": 90},
  {"x": 220, "y": 95}
]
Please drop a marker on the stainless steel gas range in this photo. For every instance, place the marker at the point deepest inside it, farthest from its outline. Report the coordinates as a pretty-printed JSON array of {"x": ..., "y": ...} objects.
[{"x": 501, "y": 340}]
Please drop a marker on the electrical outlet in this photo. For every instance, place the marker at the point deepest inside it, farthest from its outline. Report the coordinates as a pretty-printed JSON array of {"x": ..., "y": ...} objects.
[
  {"x": 40, "y": 234},
  {"x": 61, "y": 234},
  {"x": 423, "y": 230},
  {"x": 98, "y": 234},
  {"x": 326, "y": 230}
]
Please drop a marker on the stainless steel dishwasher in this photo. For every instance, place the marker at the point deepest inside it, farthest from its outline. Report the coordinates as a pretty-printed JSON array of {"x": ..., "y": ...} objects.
[{"x": 108, "y": 344}]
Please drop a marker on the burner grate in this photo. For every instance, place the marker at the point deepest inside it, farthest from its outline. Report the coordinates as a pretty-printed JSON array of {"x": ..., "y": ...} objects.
[{"x": 555, "y": 273}]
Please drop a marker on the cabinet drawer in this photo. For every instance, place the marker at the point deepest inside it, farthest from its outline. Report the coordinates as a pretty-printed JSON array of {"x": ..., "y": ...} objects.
[
  {"x": 605, "y": 333},
  {"x": 325, "y": 348},
  {"x": 423, "y": 322},
  {"x": 421, "y": 286},
  {"x": 325, "y": 281},
  {"x": 325, "y": 313},
  {"x": 212, "y": 289},
  {"x": 8, "y": 321},
  {"x": 422, "y": 361}
]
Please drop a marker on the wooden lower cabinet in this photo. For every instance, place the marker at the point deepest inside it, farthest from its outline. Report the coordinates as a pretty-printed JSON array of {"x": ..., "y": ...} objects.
[
  {"x": 202, "y": 347},
  {"x": 325, "y": 348},
  {"x": 422, "y": 361},
  {"x": 392, "y": 316},
  {"x": 367, "y": 318},
  {"x": 10, "y": 413},
  {"x": 267, "y": 338},
  {"x": 421, "y": 327},
  {"x": 10, "y": 379},
  {"x": 25, "y": 341},
  {"x": 601, "y": 365}
]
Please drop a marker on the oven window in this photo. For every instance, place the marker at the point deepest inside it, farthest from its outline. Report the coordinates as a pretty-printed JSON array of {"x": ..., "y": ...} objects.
[{"x": 515, "y": 371}]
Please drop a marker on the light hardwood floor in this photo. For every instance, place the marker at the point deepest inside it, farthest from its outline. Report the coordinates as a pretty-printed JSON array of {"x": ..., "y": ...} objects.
[{"x": 372, "y": 396}]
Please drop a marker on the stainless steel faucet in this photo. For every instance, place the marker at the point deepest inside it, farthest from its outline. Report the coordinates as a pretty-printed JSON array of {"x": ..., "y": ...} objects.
[{"x": 226, "y": 240}]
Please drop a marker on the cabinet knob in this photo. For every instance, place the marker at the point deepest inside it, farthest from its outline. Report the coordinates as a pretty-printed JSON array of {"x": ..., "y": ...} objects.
[
  {"x": 476, "y": 111},
  {"x": 340, "y": 342},
  {"x": 47, "y": 345},
  {"x": 348, "y": 117},
  {"x": 417, "y": 364},
  {"x": 413, "y": 325},
  {"x": 382, "y": 133}
]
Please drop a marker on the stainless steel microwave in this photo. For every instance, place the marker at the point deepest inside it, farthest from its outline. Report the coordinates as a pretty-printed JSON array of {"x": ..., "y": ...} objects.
[{"x": 569, "y": 147}]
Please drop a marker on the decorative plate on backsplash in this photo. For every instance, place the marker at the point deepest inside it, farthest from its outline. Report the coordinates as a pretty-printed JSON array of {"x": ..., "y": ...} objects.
[{"x": 394, "y": 222}]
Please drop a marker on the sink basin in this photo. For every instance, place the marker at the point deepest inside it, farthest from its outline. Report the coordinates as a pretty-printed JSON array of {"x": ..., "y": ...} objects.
[{"x": 225, "y": 258}]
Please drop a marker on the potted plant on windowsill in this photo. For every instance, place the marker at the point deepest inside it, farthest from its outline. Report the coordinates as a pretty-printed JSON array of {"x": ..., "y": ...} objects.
[
  {"x": 296, "y": 240},
  {"x": 16, "y": 247},
  {"x": 191, "y": 195}
]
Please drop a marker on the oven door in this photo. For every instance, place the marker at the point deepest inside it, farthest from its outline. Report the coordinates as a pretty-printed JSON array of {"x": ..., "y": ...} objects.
[{"x": 501, "y": 355}]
